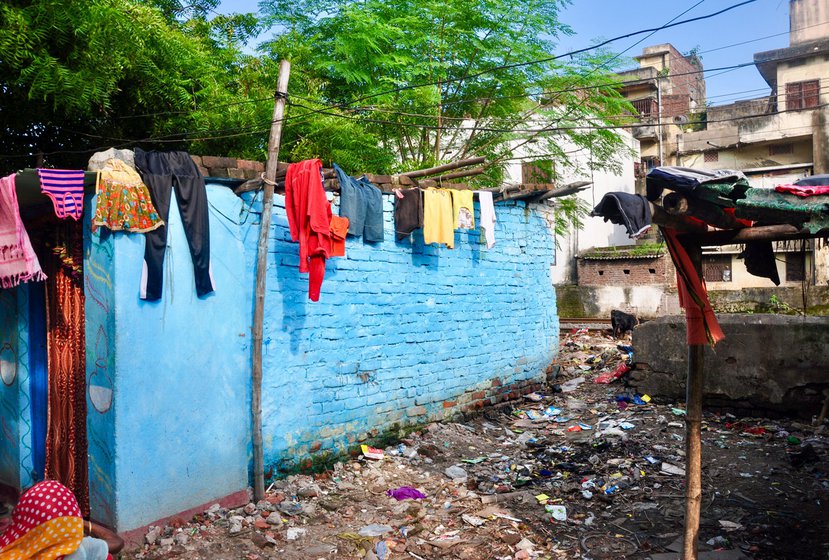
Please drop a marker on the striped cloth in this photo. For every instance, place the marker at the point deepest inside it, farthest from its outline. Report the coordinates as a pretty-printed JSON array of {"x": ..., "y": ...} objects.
[{"x": 65, "y": 188}]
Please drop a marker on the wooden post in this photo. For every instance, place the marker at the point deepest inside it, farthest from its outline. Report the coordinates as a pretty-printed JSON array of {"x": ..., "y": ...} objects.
[
  {"x": 261, "y": 273},
  {"x": 693, "y": 431}
]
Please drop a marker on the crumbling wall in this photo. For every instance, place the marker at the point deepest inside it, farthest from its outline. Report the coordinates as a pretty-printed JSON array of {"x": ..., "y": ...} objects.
[{"x": 766, "y": 364}]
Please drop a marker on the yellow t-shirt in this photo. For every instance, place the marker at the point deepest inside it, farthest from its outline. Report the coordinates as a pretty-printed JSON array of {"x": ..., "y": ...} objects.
[
  {"x": 463, "y": 209},
  {"x": 438, "y": 223}
]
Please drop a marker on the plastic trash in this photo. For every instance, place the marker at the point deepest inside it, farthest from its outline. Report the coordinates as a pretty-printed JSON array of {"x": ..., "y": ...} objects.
[
  {"x": 456, "y": 473},
  {"x": 406, "y": 493},
  {"x": 374, "y": 530},
  {"x": 559, "y": 513},
  {"x": 381, "y": 549},
  {"x": 668, "y": 468},
  {"x": 372, "y": 453},
  {"x": 614, "y": 375}
]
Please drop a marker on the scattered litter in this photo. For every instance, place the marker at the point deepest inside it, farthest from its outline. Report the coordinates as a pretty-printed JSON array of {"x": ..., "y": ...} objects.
[
  {"x": 374, "y": 530},
  {"x": 406, "y": 493},
  {"x": 372, "y": 453},
  {"x": 668, "y": 468},
  {"x": 559, "y": 513}
]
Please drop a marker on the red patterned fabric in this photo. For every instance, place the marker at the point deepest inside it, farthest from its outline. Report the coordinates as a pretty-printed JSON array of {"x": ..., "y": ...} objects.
[{"x": 66, "y": 442}]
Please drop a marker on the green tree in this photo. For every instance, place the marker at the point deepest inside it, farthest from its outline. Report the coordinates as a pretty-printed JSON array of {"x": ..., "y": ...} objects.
[
  {"x": 364, "y": 62},
  {"x": 78, "y": 75}
]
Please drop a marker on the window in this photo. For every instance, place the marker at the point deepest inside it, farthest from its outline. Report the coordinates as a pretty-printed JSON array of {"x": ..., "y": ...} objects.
[
  {"x": 795, "y": 267},
  {"x": 781, "y": 149},
  {"x": 716, "y": 268},
  {"x": 711, "y": 156},
  {"x": 645, "y": 107},
  {"x": 802, "y": 95},
  {"x": 540, "y": 171}
]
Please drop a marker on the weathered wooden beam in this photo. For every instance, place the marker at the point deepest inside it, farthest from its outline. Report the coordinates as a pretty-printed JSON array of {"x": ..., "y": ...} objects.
[
  {"x": 680, "y": 223},
  {"x": 445, "y": 167},
  {"x": 756, "y": 233},
  {"x": 677, "y": 204},
  {"x": 459, "y": 174}
]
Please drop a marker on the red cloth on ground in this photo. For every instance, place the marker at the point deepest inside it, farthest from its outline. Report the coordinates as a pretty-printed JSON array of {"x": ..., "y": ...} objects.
[
  {"x": 702, "y": 324},
  {"x": 803, "y": 190},
  {"x": 309, "y": 219}
]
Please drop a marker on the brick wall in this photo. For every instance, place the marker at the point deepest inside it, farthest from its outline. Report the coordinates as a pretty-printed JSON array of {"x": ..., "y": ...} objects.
[
  {"x": 213, "y": 166},
  {"x": 403, "y": 333},
  {"x": 626, "y": 272}
]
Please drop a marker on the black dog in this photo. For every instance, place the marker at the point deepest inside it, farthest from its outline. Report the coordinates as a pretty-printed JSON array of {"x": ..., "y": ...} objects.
[{"x": 622, "y": 322}]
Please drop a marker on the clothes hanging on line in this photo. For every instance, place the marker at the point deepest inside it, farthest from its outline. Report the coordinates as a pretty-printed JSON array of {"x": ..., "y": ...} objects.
[
  {"x": 18, "y": 261},
  {"x": 408, "y": 212},
  {"x": 630, "y": 210},
  {"x": 463, "y": 209},
  {"x": 487, "y": 217},
  {"x": 124, "y": 202},
  {"x": 438, "y": 222},
  {"x": 309, "y": 219},
  {"x": 339, "y": 231},
  {"x": 362, "y": 203},
  {"x": 160, "y": 171},
  {"x": 64, "y": 187}
]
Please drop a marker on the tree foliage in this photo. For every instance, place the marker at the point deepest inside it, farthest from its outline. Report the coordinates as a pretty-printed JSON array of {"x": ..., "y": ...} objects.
[
  {"x": 365, "y": 62},
  {"x": 376, "y": 85},
  {"x": 76, "y": 75}
]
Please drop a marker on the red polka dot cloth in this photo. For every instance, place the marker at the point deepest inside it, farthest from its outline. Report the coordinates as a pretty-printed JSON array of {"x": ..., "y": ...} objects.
[{"x": 46, "y": 524}]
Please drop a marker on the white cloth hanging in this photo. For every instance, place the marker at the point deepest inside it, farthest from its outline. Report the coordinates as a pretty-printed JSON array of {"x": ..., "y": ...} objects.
[{"x": 487, "y": 217}]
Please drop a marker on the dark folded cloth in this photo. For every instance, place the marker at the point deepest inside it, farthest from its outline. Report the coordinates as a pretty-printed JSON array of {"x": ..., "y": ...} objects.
[
  {"x": 408, "y": 212},
  {"x": 813, "y": 181},
  {"x": 629, "y": 210},
  {"x": 760, "y": 261},
  {"x": 685, "y": 179}
]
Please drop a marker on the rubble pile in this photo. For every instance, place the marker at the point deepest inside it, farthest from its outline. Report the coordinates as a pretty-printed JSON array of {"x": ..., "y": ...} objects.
[{"x": 585, "y": 470}]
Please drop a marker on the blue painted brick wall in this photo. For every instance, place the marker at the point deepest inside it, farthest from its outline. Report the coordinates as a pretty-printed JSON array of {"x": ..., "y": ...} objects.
[{"x": 403, "y": 332}]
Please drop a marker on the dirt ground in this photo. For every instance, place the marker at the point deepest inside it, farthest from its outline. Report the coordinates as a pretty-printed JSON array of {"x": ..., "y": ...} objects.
[{"x": 581, "y": 471}]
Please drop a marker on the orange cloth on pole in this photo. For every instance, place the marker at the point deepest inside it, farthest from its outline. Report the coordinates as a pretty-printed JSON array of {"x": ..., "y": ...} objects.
[{"x": 702, "y": 324}]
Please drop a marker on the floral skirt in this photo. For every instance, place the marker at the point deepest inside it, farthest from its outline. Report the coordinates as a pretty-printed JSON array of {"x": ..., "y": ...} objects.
[{"x": 124, "y": 202}]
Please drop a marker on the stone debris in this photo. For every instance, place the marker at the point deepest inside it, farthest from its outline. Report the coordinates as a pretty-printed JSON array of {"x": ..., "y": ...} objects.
[{"x": 580, "y": 471}]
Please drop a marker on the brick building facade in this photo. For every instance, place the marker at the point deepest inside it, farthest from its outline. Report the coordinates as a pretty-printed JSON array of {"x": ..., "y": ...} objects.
[{"x": 648, "y": 270}]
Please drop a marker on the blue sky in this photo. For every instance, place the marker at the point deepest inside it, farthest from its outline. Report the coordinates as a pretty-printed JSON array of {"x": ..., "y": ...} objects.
[{"x": 765, "y": 23}]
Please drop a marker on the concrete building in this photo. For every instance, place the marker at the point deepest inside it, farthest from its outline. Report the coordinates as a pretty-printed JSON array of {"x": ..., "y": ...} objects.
[
  {"x": 667, "y": 92},
  {"x": 592, "y": 233},
  {"x": 775, "y": 139}
]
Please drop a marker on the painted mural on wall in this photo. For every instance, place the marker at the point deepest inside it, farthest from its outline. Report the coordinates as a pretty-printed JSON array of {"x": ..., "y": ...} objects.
[{"x": 99, "y": 251}]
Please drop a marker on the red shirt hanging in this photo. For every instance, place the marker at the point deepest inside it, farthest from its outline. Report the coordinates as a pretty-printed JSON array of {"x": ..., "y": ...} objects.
[{"x": 309, "y": 218}]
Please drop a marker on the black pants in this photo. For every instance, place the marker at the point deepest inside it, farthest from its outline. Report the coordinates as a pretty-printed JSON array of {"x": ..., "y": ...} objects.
[{"x": 160, "y": 171}]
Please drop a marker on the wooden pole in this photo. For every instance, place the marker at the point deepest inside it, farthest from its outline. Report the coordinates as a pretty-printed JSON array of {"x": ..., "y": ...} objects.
[
  {"x": 693, "y": 432},
  {"x": 261, "y": 272}
]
